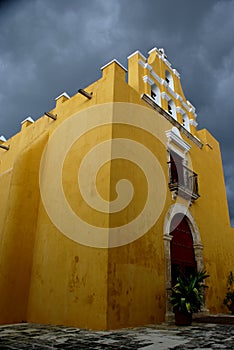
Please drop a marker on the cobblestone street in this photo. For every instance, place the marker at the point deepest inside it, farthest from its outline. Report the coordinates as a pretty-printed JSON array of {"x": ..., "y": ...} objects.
[{"x": 197, "y": 336}]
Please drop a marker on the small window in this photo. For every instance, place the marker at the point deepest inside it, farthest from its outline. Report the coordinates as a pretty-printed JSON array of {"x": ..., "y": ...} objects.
[
  {"x": 155, "y": 94},
  {"x": 169, "y": 79},
  {"x": 185, "y": 121},
  {"x": 172, "y": 109},
  {"x": 169, "y": 108}
]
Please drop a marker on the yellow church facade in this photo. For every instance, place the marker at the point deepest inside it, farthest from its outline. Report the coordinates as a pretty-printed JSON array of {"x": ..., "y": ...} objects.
[{"x": 106, "y": 197}]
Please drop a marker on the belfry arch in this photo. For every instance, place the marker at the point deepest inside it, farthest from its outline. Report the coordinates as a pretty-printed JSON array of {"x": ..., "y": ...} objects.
[{"x": 179, "y": 211}]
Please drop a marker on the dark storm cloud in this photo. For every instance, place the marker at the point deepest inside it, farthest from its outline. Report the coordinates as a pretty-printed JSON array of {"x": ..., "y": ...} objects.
[{"x": 51, "y": 46}]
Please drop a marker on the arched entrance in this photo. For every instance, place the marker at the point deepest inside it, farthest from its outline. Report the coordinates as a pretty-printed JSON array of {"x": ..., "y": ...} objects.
[
  {"x": 181, "y": 248},
  {"x": 172, "y": 257}
]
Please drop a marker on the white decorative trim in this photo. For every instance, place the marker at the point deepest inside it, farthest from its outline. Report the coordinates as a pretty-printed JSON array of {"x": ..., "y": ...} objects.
[
  {"x": 178, "y": 97},
  {"x": 141, "y": 63},
  {"x": 160, "y": 80},
  {"x": 192, "y": 109},
  {"x": 180, "y": 110},
  {"x": 187, "y": 105},
  {"x": 135, "y": 53},
  {"x": 2, "y": 138},
  {"x": 191, "y": 106},
  {"x": 164, "y": 83},
  {"x": 63, "y": 94},
  {"x": 171, "y": 91},
  {"x": 181, "y": 209},
  {"x": 147, "y": 79},
  {"x": 166, "y": 62},
  {"x": 165, "y": 96},
  {"x": 174, "y": 136},
  {"x": 29, "y": 119},
  {"x": 114, "y": 61},
  {"x": 152, "y": 50},
  {"x": 149, "y": 67},
  {"x": 193, "y": 122},
  {"x": 176, "y": 73}
]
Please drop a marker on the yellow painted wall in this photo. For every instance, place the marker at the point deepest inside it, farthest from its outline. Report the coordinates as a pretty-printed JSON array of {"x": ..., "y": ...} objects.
[{"x": 89, "y": 273}]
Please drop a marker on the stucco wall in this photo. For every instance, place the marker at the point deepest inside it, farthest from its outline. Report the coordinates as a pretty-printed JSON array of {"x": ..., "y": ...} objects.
[{"x": 90, "y": 272}]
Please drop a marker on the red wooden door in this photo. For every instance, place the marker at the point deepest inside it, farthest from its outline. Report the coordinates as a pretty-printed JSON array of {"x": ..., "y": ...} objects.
[{"x": 182, "y": 252}]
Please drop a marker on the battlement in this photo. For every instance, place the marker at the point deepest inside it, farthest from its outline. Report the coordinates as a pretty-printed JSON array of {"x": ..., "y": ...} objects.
[{"x": 153, "y": 77}]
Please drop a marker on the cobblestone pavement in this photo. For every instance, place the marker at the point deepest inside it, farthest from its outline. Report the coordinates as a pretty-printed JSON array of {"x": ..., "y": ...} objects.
[{"x": 197, "y": 337}]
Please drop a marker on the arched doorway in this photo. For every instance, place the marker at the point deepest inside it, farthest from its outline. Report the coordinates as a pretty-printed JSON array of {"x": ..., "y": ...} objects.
[
  {"x": 181, "y": 248},
  {"x": 175, "y": 212}
]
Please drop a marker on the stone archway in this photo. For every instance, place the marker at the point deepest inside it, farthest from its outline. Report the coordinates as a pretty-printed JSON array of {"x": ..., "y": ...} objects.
[{"x": 197, "y": 247}]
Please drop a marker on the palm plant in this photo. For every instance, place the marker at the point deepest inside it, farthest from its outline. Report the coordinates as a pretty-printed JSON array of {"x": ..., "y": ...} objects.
[
  {"x": 229, "y": 299},
  {"x": 188, "y": 293}
]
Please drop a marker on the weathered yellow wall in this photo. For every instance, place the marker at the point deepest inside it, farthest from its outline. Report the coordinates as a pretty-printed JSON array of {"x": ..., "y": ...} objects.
[
  {"x": 47, "y": 275},
  {"x": 212, "y": 217},
  {"x": 18, "y": 231}
]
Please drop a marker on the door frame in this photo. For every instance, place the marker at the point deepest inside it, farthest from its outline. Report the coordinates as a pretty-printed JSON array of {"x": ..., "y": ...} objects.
[{"x": 197, "y": 246}]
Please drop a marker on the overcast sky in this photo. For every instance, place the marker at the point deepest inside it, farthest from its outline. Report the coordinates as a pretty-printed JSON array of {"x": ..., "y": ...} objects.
[{"x": 51, "y": 46}]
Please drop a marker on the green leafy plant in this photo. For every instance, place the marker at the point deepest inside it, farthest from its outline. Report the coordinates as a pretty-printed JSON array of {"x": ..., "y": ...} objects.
[
  {"x": 188, "y": 293},
  {"x": 229, "y": 299}
]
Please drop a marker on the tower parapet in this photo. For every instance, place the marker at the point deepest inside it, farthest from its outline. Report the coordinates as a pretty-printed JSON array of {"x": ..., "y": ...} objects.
[{"x": 157, "y": 78}]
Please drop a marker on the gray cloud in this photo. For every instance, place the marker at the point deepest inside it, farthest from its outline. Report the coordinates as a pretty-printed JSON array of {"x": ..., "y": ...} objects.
[{"x": 47, "y": 47}]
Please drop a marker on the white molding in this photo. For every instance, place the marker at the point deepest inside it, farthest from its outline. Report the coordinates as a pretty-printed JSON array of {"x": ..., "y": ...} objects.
[
  {"x": 176, "y": 73},
  {"x": 160, "y": 80},
  {"x": 180, "y": 110},
  {"x": 192, "y": 109},
  {"x": 113, "y": 61},
  {"x": 147, "y": 79},
  {"x": 135, "y": 53},
  {"x": 149, "y": 67},
  {"x": 152, "y": 50},
  {"x": 166, "y": 62},
  {"x": 63, "y": 94},
  {"x": 191, "y": 106},
  {"x": 165, "y": 96},
  {"x": 178, "y": 97},
  {"x": 2, "y": 138},
  {"x": 193, "y": 122},
  {"x": 178, "y": 208},
  {"x": 185, "y": 106},
  {"x": 29, "y": 119},
  {"x": 174, "y": 137},
  {"x": 141, "y": 63},
  {"x": 172, "y": 92}
]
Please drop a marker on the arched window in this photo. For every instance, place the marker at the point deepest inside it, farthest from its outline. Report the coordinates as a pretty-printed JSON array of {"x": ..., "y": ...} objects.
[
  {"x": 155, "y": 94},
  {"x": 186, "y": 121},
  {"x": 172, "y": 109},
  {"x": 169, "y": 79}
]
